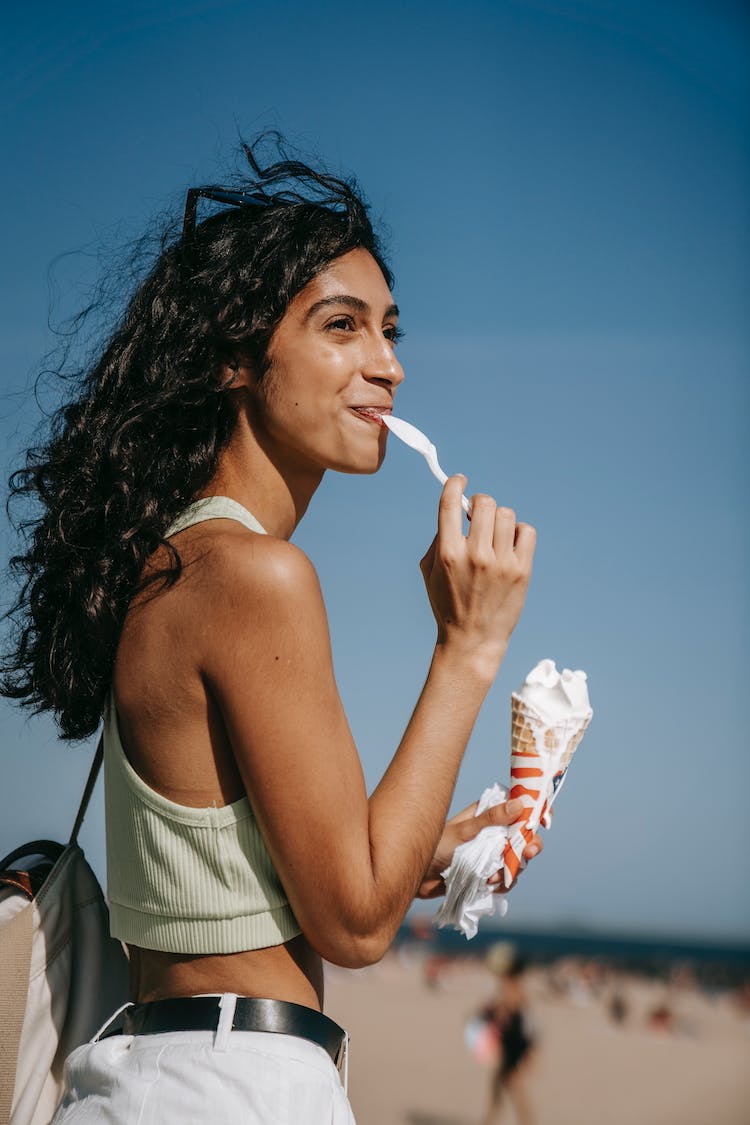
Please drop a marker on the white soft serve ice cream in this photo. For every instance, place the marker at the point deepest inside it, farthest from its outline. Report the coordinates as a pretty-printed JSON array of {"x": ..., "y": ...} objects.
[{"x": 556, "y": 696}]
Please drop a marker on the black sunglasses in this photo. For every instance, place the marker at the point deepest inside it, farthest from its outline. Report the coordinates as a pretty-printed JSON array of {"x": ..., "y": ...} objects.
[{"x": 218, "y": 195}]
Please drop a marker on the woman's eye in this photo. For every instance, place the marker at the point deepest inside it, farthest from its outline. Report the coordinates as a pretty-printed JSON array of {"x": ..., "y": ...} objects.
[
  {"x": 344, "y": 323},
  {"x": 393, "y": 333}
]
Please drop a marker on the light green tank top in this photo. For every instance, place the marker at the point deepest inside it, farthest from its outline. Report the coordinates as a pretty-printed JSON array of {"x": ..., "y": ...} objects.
[{"x": 180, "y": 879}]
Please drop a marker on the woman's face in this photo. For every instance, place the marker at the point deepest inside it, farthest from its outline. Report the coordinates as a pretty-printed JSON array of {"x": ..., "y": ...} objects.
[{"x": 331, "y": 359}]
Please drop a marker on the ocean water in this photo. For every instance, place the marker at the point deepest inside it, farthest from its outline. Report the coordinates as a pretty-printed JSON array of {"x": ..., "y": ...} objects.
[{"x": 714, "y": 963}]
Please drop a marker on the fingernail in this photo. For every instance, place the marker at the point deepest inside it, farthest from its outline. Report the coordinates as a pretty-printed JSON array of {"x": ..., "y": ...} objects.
[
  {"x": 513, "y": 807},
  {"x": 532, "y": 850},
  {"x": 493, "y": 879}
]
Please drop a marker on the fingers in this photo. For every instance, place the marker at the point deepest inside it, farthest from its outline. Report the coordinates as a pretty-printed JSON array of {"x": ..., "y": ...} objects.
[
  {"x": 505, "y": 532},
  {"x": 505, "y": 814},
  {"x": 495, "y": 527},
  {"x": 450, "y": 526},
  {"x": 490, "y": 527},
  {"x": 525, "y": 543},
  {"x": 467, "y": 814},
  {"x": 496, "y": 816},
  {"x": 533, "y": 848},
  {"x": 482, "y": 525}
]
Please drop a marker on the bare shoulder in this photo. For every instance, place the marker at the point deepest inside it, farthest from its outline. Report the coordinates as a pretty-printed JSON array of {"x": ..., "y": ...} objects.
[
  {"x": 233, "y": 565},
  {"x": 244, "y": 588},
  {"x": 240, "y": 594}
]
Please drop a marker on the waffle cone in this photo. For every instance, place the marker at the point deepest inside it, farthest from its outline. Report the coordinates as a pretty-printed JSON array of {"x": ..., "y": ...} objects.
[
  {"x": 537, "y": 748},
  {"x": 530, "y": 734}
]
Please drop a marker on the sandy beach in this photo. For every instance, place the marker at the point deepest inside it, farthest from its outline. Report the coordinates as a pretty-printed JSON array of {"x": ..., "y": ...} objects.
[{"x": 408, "y": 1062}]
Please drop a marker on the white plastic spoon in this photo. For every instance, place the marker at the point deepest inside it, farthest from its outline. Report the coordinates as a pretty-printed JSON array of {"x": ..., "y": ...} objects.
[{"x": 413, "y": 437}]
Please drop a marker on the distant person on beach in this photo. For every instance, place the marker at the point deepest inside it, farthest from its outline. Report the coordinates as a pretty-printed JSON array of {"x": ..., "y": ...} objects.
[
  {"x": 161, "y": 593},
  {"x": 507, "y": 1013},
  {"x": 617, "y": 1005}
]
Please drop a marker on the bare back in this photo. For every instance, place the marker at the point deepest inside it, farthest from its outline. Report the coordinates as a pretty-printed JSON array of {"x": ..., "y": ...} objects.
[{"x": 175, "y": 738}]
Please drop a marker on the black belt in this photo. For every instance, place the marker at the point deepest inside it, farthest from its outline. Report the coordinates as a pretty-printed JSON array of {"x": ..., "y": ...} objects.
[{"x": 201, "y": 1013}]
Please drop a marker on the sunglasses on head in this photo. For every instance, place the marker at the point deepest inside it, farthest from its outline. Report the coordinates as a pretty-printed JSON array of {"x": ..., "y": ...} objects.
[{"x": 218, "y": 195}]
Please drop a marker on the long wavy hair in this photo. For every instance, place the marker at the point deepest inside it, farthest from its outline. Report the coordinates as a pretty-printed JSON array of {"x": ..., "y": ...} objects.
[{"x": 140, "y": 436}]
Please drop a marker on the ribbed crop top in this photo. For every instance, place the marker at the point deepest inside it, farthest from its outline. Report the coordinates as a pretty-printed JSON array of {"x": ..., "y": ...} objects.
[{"x": 180, "y": 879}]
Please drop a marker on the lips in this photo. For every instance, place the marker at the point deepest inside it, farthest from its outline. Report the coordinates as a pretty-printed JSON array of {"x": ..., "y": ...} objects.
[{"x": 372, "y": 413}]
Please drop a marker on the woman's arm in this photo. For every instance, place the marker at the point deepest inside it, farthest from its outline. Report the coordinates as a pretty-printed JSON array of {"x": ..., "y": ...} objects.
[{"x": 351, "y": 866}]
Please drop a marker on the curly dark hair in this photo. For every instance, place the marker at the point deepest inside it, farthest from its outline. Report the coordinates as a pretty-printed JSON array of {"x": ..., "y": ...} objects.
[{"x": 140, "y": 437}]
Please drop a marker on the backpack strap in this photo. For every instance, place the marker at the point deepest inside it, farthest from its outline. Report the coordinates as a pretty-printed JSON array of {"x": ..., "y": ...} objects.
[{"x": 89, "y": 789}]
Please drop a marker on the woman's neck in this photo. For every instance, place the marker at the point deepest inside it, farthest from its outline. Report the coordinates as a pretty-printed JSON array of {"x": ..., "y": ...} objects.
[{"x": 254, "y": 472}]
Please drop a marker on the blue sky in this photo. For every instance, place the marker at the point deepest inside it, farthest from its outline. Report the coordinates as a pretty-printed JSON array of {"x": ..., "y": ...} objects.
[{"x": 564, "y": 190}]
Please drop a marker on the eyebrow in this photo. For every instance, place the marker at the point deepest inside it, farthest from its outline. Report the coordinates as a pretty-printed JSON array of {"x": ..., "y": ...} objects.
[{"x": 354, "y": 303}]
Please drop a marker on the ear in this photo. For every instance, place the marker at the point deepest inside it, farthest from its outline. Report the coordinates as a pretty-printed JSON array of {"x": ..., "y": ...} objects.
[{"x": 239, "y": 372}]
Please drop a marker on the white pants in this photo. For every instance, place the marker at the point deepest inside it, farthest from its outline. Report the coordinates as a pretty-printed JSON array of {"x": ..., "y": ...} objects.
[{"x": 191, "y": 1077}]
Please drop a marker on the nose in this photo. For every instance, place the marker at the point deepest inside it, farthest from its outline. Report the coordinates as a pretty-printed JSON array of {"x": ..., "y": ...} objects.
[{"x": 381, "y": 365}]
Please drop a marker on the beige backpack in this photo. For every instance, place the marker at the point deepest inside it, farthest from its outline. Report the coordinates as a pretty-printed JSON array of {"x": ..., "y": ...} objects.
[{"x": 61, "y": 974}]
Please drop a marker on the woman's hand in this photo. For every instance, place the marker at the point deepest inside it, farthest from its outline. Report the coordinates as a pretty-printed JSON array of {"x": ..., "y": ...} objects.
[
  {"x": 464, "y": 826},
  {"x": 477, "y": 583}
]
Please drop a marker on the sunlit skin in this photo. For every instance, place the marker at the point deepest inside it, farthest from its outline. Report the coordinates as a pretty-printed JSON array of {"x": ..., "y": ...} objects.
[{"x": 224, "y": 684}]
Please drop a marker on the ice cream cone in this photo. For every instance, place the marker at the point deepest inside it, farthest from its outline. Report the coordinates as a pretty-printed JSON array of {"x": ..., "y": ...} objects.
[
  {"x": 550, "y": 713},
  {"x": 541, "y": 751}
]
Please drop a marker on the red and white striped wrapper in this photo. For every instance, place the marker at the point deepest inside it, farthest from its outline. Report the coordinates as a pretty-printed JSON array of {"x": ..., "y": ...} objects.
[{"x": 540, "y": 753}]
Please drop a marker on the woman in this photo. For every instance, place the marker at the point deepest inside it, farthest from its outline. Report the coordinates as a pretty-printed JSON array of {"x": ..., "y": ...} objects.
[
  {"x": 507, "y": 1014},
  {"x": 162, "y": 592}
]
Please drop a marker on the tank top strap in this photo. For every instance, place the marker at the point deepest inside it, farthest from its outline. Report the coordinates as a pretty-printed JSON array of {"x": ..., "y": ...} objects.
[{"x": 214, "y": 508}]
